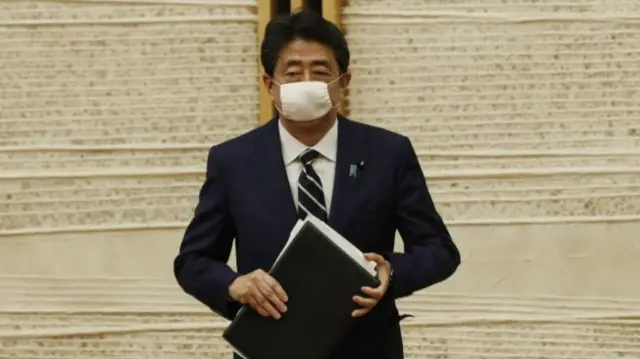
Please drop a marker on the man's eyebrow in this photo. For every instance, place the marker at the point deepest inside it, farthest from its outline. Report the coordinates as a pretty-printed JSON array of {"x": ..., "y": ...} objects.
[
  {"x": 293, "y": 62},
  {"x": 315, "y": 62},
  {"x": 324, "y": 63}
]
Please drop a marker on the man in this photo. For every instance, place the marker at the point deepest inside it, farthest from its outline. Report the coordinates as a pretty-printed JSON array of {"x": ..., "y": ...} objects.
[{"x": 366, "y": 182}]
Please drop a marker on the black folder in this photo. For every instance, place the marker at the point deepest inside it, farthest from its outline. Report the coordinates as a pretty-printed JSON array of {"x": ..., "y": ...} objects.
[{"x": 320, "y": 276}]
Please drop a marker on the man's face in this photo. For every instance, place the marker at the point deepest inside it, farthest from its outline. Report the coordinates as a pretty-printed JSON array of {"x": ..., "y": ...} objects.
[{"x": 307, "y": 61}]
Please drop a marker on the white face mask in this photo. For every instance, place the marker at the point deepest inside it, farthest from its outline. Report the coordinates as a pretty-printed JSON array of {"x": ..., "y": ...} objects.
[{"x": 305, "y": 100}]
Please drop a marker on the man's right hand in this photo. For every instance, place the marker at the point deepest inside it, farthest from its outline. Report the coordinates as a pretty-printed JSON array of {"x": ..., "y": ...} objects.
[{"x": 260, "y": 291}]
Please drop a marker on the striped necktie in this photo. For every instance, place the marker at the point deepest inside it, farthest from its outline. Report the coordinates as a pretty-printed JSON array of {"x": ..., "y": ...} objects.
[{"x": 310, "y": 193}]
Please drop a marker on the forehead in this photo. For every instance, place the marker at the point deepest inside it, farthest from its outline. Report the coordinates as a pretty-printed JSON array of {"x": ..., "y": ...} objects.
[{"x": 306, "y": 53}]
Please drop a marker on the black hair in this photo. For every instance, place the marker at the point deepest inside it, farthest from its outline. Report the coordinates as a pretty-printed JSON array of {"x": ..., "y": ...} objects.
[{"x": 306, "y": 25}]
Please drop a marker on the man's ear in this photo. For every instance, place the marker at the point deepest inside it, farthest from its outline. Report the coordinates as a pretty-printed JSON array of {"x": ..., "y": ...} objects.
[
  {"x": 345, "y": 79},
  {"x": 268, "y": 83}
]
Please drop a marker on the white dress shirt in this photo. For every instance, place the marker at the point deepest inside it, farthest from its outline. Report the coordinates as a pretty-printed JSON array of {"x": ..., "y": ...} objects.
[{"x": 324, "y": 165}]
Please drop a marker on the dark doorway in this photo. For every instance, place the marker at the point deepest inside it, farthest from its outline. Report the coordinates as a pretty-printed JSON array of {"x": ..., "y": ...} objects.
[
  {"x": 282, "y": 7},
  {"x": 315, "y": 5}
]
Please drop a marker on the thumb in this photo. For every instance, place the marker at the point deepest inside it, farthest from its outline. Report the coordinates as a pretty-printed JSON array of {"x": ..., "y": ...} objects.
[{"x": 374, "y": 257}]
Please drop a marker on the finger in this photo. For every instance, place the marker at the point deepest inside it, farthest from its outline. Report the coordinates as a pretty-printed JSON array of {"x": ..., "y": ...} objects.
[
  {"x": 383, "y": 277},
  {"x": 374, "y": 258},
  {"x": 382, "y": 267},
  {"x": 264, "y": 303},
  {"x": 277, "y": 288},
  {"x": 365, "y": 302},
  {"x": 360, "y": 312},
  {"x": 240, "y": 298},
  {"x": 384, "y": 274},
  {"x": 375, "y": 293},
  {"x": 253, "y": 303},
  {"x": 243, "y": 300},
  {"x": 269, "y": 293}
]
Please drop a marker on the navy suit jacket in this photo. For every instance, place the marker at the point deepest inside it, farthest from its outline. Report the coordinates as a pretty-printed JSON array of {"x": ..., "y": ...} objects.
[{"x": 246, "y": 197}]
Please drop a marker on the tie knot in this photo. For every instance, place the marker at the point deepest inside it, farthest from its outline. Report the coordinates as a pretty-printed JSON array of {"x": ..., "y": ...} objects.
[{"x": 308, "y": 156}]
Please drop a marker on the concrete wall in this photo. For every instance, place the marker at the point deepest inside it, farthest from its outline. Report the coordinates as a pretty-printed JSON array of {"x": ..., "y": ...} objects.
[
  {"x": 525, "y": 118},
  {"x": 107, "y": 110}
]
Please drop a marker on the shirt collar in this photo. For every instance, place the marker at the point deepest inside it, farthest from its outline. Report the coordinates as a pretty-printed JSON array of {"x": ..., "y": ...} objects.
[{"x": 292, "y": 148}]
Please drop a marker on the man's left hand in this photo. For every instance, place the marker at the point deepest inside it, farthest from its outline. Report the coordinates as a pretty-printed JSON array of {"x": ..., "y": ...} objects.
[{"x": 373, "y": 295}]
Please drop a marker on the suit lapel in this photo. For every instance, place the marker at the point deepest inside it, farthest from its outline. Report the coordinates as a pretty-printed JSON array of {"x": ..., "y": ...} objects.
[
  {"x": 270, "y": 177},
  {"x": 346, "y": 192},
  {"x": 272, "y": 183}
]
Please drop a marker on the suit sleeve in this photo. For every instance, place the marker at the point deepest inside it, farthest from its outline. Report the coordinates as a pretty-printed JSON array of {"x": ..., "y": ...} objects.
[
  {"x": 201, "y": 265},
  {"x": 430, "y": 256}
]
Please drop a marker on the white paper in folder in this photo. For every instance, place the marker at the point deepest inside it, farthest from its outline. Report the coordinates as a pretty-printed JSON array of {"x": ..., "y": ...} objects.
[{"x": 342, "y": 243}]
